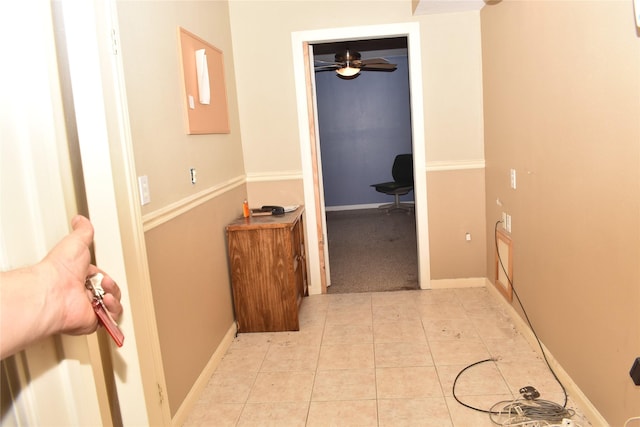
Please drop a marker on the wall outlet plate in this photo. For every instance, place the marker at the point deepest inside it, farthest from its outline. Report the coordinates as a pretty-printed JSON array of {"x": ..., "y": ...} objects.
[{"x": 143, "y": 187}]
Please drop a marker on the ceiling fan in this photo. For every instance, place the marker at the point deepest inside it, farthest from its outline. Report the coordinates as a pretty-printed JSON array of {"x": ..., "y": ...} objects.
[{"x": 348, "y": 64}]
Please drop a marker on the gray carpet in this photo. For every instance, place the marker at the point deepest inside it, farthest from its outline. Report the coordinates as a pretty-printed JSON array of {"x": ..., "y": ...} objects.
[{"x": 370, "y": 251}]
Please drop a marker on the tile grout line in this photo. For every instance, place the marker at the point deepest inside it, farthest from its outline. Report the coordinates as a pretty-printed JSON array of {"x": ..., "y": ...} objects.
[
  {"x": 435, "y": 367},
  {"x": 315, "y": 373},
  {"x": 375, "y": 367},
  {"x": 246, "y": 401}
]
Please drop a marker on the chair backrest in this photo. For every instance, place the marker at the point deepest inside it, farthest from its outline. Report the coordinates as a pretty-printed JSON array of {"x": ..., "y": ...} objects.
[{"x": 402, "y": 170}]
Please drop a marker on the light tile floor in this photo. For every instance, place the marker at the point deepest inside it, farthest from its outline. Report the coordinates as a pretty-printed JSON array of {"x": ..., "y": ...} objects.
[{"x": 377, "y": 359}]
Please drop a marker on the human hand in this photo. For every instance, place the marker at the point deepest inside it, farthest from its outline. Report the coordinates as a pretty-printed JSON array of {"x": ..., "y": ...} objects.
[{"x": 67, "y": 266}]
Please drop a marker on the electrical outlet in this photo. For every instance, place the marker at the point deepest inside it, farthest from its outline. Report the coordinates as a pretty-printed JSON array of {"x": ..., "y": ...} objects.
[
  {"x": 508, "y": 224},
  {"x": 193, "y": 175},
  {"x": 504, "y": 220},
  {"x": 512, "y": 175}
]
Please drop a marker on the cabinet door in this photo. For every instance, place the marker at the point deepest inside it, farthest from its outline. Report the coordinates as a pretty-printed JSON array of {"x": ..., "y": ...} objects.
[{"x": 264, "y": 296}]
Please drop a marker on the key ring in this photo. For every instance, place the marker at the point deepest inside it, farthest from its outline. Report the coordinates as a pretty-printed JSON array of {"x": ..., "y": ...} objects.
[{"x": 93, "y": 284}]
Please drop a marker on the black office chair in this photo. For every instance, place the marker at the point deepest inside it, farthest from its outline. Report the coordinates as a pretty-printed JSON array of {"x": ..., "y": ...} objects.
[{"x": 402, "y": 172}]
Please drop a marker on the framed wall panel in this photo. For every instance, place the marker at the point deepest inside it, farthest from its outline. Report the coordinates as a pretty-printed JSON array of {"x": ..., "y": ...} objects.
[
  {"x": 504, "y": 264},
  {"x": 205, "y": 92}
]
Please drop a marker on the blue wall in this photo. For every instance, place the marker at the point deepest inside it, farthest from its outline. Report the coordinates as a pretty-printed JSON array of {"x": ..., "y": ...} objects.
[{"x": 363, "y": 124}]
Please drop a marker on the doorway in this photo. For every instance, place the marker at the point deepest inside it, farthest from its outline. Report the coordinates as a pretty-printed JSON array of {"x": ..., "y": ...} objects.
[
  {"x": 319, "y": 269},
  {"x": 364, "y": 122}
]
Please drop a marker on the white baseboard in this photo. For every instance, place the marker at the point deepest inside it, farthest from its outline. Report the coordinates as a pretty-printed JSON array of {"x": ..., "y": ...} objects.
[
  {"x": 467, "y": 282},
  {"x": 203, "y": 379},
  {"x": 356, "y": 207},
  {"x": 583, "y": 402}
]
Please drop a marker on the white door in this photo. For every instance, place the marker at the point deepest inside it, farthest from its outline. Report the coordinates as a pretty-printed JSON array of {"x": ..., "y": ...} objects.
[
  {"x": 69, "y": 380},
  {"x": 52, "y": 381}
]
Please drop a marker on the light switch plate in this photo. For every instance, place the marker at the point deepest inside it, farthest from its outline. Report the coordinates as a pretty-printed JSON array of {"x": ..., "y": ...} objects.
[{"x": 143, "y": 186}]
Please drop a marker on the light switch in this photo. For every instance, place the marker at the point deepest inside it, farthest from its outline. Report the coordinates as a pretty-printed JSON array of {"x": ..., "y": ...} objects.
[
  {"x": 143, "y": 186},
  {"x": 513, "y": 178}
]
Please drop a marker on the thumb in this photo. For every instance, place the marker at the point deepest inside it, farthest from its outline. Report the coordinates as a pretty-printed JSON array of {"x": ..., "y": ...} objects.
[{"x": 82, "y": 229}]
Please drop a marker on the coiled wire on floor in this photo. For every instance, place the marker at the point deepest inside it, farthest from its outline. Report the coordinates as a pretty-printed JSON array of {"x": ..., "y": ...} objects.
[
  {"x": 520, "y": 412},
  {"x": 529, "y": 413}
]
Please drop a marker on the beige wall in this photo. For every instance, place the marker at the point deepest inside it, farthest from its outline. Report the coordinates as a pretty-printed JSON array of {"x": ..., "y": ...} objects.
[
  {"x": 185, "y": 239},
  {"x": 191, "y": 292},
  {"x": 162, "y": 149},
  {"x": 562, "y": 107},
  {"x": 456, "y": 207},
  {"x": 283, "y": 192}
]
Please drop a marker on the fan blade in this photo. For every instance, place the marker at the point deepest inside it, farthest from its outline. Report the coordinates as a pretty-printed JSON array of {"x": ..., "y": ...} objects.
[
  {"x": 327, "y": 68},
  {"x": 320, "y": 63},
  {"x": 379, "y": 67},
  {"x": 375, "y": 61}
]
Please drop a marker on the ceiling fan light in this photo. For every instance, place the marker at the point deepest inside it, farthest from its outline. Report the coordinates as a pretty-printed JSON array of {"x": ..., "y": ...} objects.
[{"x": 348, "y": 71}]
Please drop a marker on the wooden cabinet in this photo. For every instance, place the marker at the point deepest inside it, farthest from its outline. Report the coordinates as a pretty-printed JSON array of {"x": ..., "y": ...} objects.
[{"x": 268, "y": 271}]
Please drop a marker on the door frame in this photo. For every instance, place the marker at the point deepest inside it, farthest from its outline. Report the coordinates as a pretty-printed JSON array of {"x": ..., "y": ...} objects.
[
  {"x": 310, "y": 144},
  {"x": 106, "y": 153}
]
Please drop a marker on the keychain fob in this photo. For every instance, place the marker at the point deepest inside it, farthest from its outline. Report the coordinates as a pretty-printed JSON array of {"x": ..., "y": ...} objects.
[{"x": 93, "y": 284}]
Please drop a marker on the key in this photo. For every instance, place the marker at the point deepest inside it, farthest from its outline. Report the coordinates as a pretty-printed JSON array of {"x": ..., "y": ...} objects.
[{"x": 93, "y": 283}]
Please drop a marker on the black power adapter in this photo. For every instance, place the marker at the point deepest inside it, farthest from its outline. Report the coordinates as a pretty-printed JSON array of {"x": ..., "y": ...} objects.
[
  {"x": 635, "y": 371},
  {"x": 529, "y": 393}
]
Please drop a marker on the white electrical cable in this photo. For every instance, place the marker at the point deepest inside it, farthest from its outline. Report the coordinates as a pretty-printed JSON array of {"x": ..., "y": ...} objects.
[{"x": 530, "y": 413}]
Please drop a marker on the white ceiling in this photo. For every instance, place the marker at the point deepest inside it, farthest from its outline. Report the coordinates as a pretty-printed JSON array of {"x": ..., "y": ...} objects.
[{"x": 428, "y": 7}]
